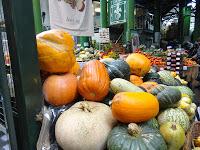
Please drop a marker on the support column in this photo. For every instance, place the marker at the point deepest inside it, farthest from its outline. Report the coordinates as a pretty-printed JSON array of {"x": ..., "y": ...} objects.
[
  {"x": 182, "y": 4},
  {"x": 157, "y": 19},
  {"x": 197, "y": 21},
  {"x": 37, "y": 16},
  {"x": 130, "y": 22},
  {"x": 84, "y": 41},
  {"x": 103, "y": 14},
  {"x": 25, "y": 68},
  {"x": 186, "y": 23},
  {"x": 108, "y": 16}
]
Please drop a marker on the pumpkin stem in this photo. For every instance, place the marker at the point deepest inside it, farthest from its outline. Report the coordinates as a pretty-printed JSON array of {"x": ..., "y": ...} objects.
[
  {"x": 85, "y": 107},
  {"x": 134, "y": 129},
  {"x": 173, "y": 126}
]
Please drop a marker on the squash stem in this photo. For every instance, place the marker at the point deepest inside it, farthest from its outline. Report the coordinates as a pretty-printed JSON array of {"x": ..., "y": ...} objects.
[
  {"x": 134, "y": 129},
  {"x": 173, "y": 126},
  {"x": 85, "y": 107}
]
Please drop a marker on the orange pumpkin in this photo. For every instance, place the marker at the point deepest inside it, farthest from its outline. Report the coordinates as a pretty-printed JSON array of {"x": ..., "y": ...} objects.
[
  {"x": 148, "y": 86},
  {"x": 139, "y": 64},
  {"x": 60, "y": 89},
  {"x": 136, "y": 80},
  {"x": 128, "y": 107},
  {"x": 75, "y": 69},
  {"x": 94, "y": 80},
  {"x": 55, "y": 51}
]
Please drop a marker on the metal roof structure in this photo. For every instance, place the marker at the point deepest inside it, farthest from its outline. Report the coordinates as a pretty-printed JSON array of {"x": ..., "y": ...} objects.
[{"x": 165, "y": 5}]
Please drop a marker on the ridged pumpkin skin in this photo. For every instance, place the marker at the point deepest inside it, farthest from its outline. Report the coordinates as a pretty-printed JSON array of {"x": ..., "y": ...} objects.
[
  {"x": 136, "y": 80},
  {"x": 55, "y": 51},
  {"x": 134, "y": 107},
  {"x": 94, "y": 81},
  {"x": 145, "y": 138},
  {"x": 75, "y": 69},
  {"x": 60, "y": 89},
  {"x": 139, "y": 64}
]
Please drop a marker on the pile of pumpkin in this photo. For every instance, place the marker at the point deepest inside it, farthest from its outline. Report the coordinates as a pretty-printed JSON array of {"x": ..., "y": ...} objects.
[{"x": 124, "y": 107}]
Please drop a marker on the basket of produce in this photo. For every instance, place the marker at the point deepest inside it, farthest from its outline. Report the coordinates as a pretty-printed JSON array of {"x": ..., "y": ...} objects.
[{"x": 193, "y": 137}]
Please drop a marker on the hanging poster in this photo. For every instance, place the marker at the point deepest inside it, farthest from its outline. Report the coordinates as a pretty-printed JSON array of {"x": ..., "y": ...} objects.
[
  {"x": 117, "y": 11},
  {"x": 74, "y": 16}
]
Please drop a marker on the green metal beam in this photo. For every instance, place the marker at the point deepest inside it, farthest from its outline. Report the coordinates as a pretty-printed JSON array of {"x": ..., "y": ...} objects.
[
  {"x": 103, "y": 14},
  {"x": 130, "y": 24},
  {"x": 157, "y": 20},
  {"x": 37, "y": 16},
  {"x": 197, "y": 21},
  {"x": 25, "y": 67},
  {"x": 180, "y": 20},
  {"x": 186, "y": 22},
  {"x": 108, "y": 17}
]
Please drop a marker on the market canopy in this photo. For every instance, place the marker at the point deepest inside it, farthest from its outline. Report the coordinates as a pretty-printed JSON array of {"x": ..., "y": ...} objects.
[{"x": 165, "y": 5}]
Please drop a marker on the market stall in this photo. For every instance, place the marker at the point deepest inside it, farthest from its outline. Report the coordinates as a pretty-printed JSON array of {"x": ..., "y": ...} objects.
[
  {"x": 112, "y": 103},
  {"x": 112, "y": 95}
]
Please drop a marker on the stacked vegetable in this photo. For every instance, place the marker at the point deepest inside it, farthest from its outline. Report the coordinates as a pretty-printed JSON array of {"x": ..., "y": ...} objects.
[
  {"x": 189, "y": 62},
  {"x": 147, "y": 111},
  {"x": 86, "y": 54},
  {"x": 155, "y": 60}
]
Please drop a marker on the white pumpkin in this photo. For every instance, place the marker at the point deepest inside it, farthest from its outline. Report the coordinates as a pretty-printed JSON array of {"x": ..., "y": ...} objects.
[{"x": 84, "y": 126}]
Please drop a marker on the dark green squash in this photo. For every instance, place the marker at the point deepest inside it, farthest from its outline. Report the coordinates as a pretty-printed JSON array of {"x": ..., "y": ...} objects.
[
  {"x": 157, "y": 89},
  {"x": 118, "y": 69},
  {"x": 185, "y": 90},
  {"x": 134, "y": 137},
  {"x": 166, "y": 96},
  {"x": 153, "y": 76}
]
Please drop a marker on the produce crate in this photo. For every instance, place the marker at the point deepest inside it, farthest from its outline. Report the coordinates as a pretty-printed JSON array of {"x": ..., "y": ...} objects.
[{"x": 193, "y": 133}]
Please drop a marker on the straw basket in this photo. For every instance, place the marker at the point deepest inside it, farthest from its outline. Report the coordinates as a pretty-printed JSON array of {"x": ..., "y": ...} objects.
[{"x": 191, "y": 135}]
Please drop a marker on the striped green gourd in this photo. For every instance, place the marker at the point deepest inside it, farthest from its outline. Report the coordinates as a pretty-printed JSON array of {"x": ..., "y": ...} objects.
[
  {"x": 167, "y": 79},
  {"x": 118, "y": 85},
  {"x": 175, "y": 115},
  {"x": 185, "y": 90},
  {"x": 159, "y": 88}
]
